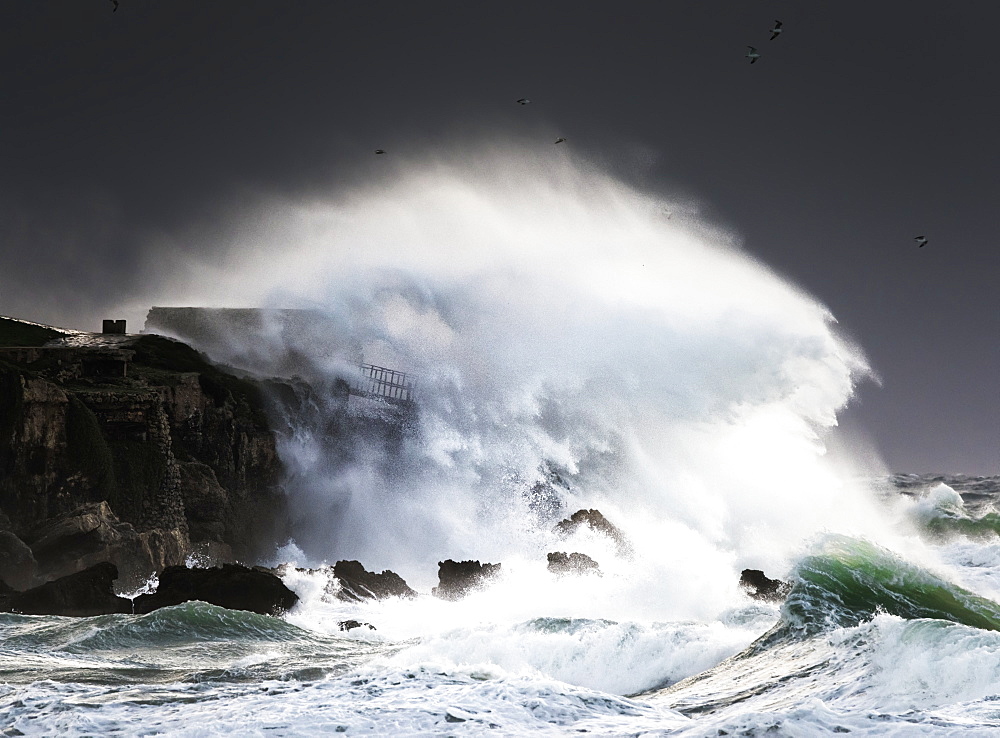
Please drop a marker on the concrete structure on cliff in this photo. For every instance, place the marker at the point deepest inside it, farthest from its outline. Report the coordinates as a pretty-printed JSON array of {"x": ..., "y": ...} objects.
[{"x": 283, "y": 343}]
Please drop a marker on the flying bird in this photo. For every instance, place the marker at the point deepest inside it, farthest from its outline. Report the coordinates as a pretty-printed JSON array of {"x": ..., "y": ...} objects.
[
  {"x": 776, "y": 31},
  {"x": 115, "y": 9},
  {"x": 560, "y": 140},
  {"x": 523, "y": 101},
  {"x": 379, "y": 151},
  {"x": 921, "y": 241},
  {"x": 752, "y": 55}
]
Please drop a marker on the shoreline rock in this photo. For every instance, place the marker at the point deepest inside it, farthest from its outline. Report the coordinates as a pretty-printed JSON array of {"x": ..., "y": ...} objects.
[
  {"x": 83, "y": 594},
  {"x": 90, "y": 592},
  {"x": 760, "y": 587},
  {"x": 596, "y": 521},
  {"x": 233, "y": 586},
  {"x": 575, "y": 563},
  {"x": 133, "y": 449},
  {"x": 457, "y": 578},
  {"x": 357, "y": 584},
  {"x": 93, "y": 533}
]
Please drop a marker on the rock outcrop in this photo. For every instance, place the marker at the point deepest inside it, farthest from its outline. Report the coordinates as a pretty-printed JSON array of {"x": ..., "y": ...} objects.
[
  {"x": 6, "y": 592},
  {"x": 594, "y": 520},
  {"x": 231, "y": 586},
  {"x": 129, "y": 449},
  {"x": 573, "y": 563},
  {"x": 457, "y": 578},
  {"x": 83, "y": 594},
  {"x": 357, "y": 584},
  {"x": 17, "y": 564},
  {"x": 93, "y": 533},
  {"x": 760, "y": 587}
]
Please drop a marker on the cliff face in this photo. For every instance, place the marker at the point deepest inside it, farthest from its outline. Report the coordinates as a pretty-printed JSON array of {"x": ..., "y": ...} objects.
[{"x": 134, "y": 450}]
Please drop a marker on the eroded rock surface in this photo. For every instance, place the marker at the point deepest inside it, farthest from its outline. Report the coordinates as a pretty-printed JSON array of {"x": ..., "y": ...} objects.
[
  {"x": 93, "y": 533},
  {"x": 17, "y": 564},
  {"x": 357, "y": 584},
  {"x": 596, "y": 521},
  {"x": 457, "y": 578},
  {"x": 177, "y": 454},
  {"x": 573, "y": 563}
]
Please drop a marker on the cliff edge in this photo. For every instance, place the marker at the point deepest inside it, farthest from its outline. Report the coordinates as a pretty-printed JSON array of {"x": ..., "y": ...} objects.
[{"x": 129, "y": 449}]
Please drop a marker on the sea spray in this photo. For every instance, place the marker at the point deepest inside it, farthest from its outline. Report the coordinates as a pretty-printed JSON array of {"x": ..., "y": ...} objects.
[
  {"x": 557, "y": 320},
  {"x": 569, "y": 341}
]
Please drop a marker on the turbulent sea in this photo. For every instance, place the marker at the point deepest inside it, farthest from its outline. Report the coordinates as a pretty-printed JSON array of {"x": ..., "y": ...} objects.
[
  {"x": 578, "y": 344},
  {"x": 866, "y": 643}
]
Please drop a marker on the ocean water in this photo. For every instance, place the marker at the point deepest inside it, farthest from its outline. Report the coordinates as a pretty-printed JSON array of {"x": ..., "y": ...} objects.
[
  {"x": 867, "y": 643},
  {"x": 578, "y": 344}
]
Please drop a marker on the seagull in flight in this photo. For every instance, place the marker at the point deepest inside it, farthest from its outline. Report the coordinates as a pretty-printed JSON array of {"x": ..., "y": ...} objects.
[
  {"x": 752, "y": 55},
  {"x": 560, "y": 140},
  {"x": 523, "y": 101},
  {"x": 776, "y": 31},
  {"x": 115, "y": 9},
  {"x": 379, "y": 151},
  {"x": 921, "y": 241}
]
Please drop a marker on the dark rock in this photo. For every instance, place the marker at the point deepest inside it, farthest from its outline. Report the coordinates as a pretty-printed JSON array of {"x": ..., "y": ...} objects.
[
  {"x": 356, "y": 584},
  {"x": 596, "y": 522},
  {"x": 178, "y": 449},
  {"x": 93, "y": 533},
  {"x": 17, "y": 564},
  {"x": 207, "y": 554},
  {"x": 760, "y": 587},
  {"x": 232, "y": 585},
  {"x": 6, "y": 592},
  {"x": 457, "y": 578},
  {"x": 574, "y": 563},
  {"x": 352, "y": 624},
  {"x": 206, "y": 503},
  {"x": 84, "y": 594}
]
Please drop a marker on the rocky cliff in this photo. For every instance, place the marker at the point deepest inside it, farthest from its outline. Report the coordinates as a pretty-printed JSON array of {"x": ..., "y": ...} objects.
[{"x": 130, "y": 449}]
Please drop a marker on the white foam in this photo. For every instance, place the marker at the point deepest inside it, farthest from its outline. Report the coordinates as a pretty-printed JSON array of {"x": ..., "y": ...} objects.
[{"x": 555, "y": 317}]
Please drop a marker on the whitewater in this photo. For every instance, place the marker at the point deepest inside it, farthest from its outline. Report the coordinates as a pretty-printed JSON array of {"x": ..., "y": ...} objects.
[{"x": 579, "y": 344}]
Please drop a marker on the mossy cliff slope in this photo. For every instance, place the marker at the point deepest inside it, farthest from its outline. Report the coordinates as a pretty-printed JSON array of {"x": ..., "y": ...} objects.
[{"x": 130, "y": 449}]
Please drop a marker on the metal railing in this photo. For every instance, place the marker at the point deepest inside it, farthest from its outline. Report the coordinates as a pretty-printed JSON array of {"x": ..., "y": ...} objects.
[{"x": 388, "y": 384}]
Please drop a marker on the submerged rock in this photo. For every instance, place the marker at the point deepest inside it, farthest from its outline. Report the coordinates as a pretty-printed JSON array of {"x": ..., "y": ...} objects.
[
  {"x": 594, "y": 520},
  {"x": 574, "y": 563},
  {"x": 759, "y": 587},
  {"x": 232, "y": 586},
  {"x": 357, "y": 584},
  {"x": 83, "y": 594},
  {"x": 352, "y": 624},
  {"x": 457, "y": 578}
]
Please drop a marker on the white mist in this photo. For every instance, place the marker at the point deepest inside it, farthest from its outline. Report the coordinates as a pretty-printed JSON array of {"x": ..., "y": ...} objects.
[{"x": 556, "y": 316}]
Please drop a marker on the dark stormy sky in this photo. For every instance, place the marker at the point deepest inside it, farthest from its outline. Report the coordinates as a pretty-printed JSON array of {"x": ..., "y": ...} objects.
[{"x": 863, "y": 125}]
